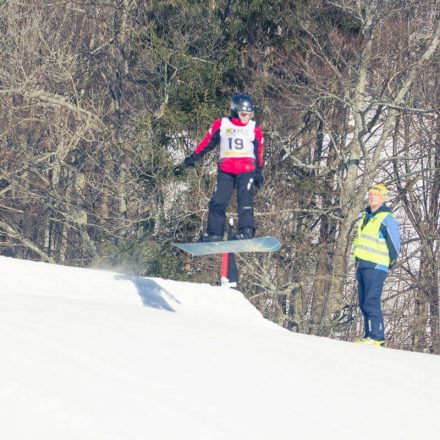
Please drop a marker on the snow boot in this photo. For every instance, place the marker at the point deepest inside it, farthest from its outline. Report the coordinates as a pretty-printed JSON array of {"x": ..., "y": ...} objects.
[{"x": 370, "y": 341}]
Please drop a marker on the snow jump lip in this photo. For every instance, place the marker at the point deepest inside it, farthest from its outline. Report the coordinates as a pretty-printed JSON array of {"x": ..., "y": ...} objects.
[{"x": 258, "y": 244}]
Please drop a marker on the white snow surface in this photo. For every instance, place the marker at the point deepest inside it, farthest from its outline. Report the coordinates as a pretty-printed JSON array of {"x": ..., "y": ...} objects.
[{"x": 90, "y": 354}]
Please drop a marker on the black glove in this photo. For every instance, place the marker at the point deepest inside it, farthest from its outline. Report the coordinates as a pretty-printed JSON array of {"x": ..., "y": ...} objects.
[
  {"x": 191, "y": 160},
  {"x": 258, "y": 178}
]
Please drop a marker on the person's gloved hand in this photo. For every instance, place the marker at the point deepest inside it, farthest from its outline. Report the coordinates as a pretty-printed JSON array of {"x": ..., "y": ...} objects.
[
  {"x": 191, "y": 160},
  {"x": 258, "y": 178}
]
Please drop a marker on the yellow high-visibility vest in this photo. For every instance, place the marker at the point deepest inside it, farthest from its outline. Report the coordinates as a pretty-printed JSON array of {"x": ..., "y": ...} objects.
[{"x": 368, "y": 245}]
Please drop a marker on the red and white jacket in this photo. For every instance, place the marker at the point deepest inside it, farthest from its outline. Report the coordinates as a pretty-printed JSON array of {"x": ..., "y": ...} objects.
[{"x": 241, "y": 145}]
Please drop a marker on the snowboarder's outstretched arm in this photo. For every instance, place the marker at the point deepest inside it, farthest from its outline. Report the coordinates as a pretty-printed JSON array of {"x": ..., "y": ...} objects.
[{"x": 208, "y": 143}]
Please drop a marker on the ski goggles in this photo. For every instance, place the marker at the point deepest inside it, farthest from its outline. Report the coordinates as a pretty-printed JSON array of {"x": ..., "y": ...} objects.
[{"x": 244, "y": 114}]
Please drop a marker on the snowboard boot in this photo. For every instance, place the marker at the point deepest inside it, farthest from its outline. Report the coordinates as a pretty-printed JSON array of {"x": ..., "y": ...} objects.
[
  {"x": 206, "y": 238},
  {"x": 244, "y": 234}
]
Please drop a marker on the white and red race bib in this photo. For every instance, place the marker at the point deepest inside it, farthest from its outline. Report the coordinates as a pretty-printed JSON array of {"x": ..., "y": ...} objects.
[{"x": 237, "y": 141}]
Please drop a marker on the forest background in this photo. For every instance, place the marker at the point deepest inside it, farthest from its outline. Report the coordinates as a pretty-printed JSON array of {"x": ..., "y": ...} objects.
[{"x": 100, "y": 99}]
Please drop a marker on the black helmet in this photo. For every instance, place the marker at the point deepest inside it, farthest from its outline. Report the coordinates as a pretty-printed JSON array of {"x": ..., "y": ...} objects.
[{"x": 241, "y": 103}]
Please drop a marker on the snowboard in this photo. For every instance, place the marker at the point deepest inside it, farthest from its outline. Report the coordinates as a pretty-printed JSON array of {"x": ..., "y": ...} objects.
[{"x": 258, "y": 244}]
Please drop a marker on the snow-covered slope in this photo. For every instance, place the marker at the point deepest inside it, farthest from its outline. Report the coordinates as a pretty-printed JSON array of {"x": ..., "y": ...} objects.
[{"x": 88, "y": 354}]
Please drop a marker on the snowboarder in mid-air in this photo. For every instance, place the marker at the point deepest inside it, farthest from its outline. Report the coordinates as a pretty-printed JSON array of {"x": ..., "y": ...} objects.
[{"x": 240, "y": 166}]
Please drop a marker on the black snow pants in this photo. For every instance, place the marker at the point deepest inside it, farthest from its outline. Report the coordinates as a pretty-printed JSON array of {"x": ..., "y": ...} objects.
[{"x": 244, "y": 182}]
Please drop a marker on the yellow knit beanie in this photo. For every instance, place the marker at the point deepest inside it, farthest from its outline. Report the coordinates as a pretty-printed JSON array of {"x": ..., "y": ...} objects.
[{"x": 380, "y": 190}]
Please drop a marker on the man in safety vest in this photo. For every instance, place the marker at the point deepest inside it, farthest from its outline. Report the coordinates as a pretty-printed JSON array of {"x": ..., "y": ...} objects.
[
  {"x": 240, "y": 142},
  {"x": 376, "y": 247}
]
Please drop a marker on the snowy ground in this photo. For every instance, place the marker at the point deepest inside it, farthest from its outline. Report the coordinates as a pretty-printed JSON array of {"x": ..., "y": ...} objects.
[{"x": 88, "y": 354}]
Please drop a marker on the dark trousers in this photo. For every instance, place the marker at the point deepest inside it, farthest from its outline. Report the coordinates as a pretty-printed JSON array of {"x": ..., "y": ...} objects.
[
  {"x": 226, "y": 183},
  {"x": 370, "y": 285}
]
